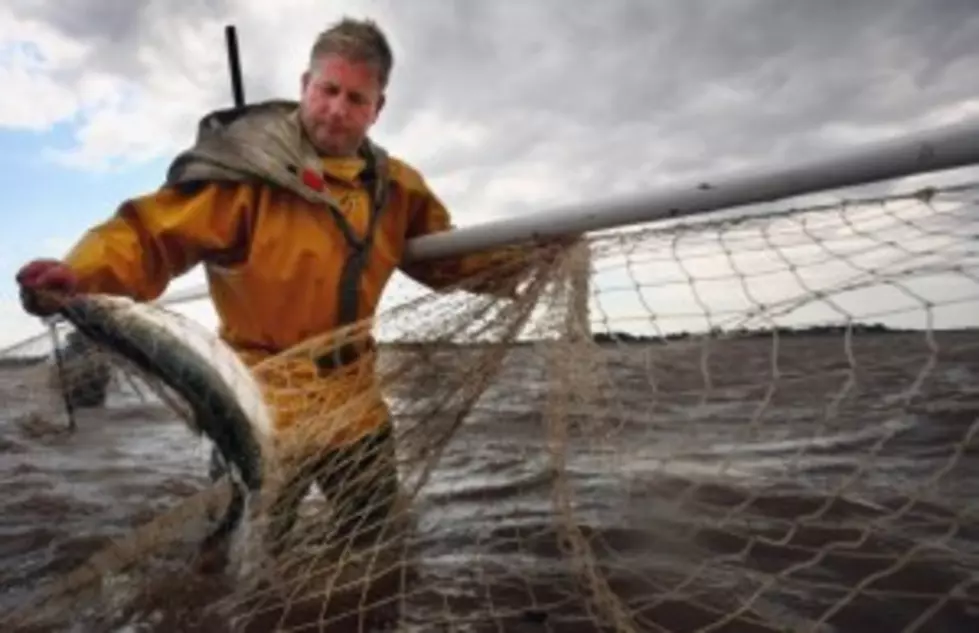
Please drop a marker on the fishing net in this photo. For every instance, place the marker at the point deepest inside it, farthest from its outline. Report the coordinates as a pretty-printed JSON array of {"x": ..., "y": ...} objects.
[{"x": 696, "y": 426}]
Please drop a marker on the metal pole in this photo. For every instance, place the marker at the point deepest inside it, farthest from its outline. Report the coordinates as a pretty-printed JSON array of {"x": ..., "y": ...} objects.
[
  {"x": 937, "y": 149},
  {"x": 234, "y": 65},
  {"x": 941, "y": 148}
]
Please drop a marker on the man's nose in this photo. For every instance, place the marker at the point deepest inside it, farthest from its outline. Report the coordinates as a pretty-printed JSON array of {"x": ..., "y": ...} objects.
[{"x": 336, "y": 107}]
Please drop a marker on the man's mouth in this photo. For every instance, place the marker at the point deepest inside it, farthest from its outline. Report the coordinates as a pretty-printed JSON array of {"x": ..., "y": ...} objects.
[{"x": 333, "y": 129}]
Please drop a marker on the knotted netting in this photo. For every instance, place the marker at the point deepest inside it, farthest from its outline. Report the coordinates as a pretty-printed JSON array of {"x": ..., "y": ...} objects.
[{"x": 698, "y": 426}]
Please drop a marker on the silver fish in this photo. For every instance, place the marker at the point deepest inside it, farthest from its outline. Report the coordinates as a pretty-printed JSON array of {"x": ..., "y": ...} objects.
[{"x": 219, "y": 391}]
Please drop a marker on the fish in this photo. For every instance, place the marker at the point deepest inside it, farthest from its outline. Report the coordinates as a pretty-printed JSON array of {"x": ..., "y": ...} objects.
[{"x": 222, "y": 398}]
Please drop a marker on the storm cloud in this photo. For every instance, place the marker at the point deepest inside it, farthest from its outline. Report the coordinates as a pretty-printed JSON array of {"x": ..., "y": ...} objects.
[
  {"x": 559, "y": 99},
  {"x": 512, "y": 107}
]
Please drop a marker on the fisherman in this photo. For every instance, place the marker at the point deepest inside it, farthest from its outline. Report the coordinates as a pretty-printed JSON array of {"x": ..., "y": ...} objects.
[{"x": 299, "y": 219}]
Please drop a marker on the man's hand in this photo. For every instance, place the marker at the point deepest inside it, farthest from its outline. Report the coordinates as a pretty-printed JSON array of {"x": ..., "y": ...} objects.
[{"x": 43, "y": 284}]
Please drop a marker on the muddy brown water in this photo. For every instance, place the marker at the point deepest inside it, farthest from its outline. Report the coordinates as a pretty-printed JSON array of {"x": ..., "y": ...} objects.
[{"x": 839, "y": 496}]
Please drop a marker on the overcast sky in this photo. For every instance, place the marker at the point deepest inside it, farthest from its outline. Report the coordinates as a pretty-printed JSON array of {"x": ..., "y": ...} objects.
[{"x": 505, "y": 107}]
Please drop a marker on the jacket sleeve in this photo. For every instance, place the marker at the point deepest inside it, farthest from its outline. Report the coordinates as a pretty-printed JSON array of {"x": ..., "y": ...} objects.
[
  {"x": 152, "y": 239},
  {"x": 496, "y": 272}
]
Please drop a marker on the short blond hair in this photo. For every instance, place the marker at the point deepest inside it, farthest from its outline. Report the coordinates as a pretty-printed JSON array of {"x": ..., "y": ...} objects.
[{"x": 356, "y": 40}]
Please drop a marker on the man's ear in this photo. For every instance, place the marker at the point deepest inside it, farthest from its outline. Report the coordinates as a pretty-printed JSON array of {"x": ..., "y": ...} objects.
[
  {"x": 304, "y": 81},
  {"x": 380, "y": 103}
]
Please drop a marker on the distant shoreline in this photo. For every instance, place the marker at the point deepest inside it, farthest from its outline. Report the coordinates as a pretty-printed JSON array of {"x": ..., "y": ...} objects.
[
  {"x": 739, "y": 333},
  {"x": 14, "y": 362},
  {"x": 813, "y": 330}
]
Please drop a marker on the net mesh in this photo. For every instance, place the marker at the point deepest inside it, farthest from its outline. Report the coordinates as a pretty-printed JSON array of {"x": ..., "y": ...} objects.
[{"x": 588, "y": 455}]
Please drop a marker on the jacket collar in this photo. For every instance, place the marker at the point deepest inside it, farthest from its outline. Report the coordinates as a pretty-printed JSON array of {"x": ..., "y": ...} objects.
[{"x": 344, "y": 169}]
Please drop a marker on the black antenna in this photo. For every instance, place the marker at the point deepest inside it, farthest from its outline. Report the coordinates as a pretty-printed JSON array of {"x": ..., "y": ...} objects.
[
  {"x": 217, "y": 468},
  {"x": 234, "y": 65}
]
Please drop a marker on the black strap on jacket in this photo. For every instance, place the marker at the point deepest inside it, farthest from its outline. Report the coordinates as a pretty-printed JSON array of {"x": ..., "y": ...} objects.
[{"x": 374, "y": 179}]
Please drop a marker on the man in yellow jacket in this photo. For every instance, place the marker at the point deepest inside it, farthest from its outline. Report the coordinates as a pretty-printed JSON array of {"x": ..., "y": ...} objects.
[{"x": 299, "y": 220}]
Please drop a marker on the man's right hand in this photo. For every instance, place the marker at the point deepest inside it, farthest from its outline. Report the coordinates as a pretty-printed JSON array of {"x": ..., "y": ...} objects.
[{"x": 43, "y": 282}]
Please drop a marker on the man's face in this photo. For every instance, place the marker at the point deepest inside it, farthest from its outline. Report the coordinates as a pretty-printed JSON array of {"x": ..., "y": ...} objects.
[{"x": 340, "y": 101}]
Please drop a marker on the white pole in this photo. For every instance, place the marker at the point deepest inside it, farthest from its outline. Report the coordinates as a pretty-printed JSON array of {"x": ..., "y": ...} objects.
[
  {"x": 933, "y": 150},
  {"x": 937, "y": 149}
]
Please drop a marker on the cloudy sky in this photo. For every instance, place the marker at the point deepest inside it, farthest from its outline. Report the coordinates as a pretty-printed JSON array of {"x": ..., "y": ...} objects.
[{"x": 507, "y": 108}]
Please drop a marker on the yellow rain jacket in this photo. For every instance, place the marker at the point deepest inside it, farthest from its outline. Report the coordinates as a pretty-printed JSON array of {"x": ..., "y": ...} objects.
[{"x": 273, "y": 262}]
